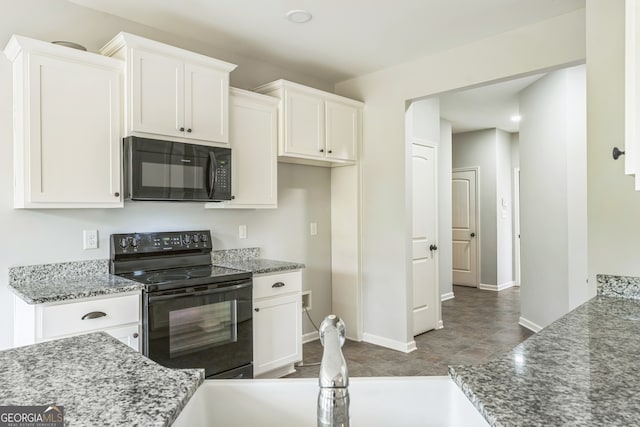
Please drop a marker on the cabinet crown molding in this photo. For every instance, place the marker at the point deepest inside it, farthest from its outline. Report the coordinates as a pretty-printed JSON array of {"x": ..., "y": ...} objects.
[
  {"x": 286, "y": 84},
  {"x": 19, "y": 44},
  {"x": 123, "y": 39}
]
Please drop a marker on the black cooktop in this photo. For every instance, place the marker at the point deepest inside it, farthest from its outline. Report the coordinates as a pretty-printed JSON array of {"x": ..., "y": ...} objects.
[{"x": 185, "y": 276}]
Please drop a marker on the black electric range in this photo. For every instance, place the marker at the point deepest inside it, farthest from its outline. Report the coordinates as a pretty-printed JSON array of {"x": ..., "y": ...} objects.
[{"x": 195, "y": 314}]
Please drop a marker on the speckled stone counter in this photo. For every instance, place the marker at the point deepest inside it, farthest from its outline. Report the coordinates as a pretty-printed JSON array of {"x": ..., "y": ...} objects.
[
  {"x": 37, "y": 284},
  {"x": 248, "y": 260},
  {"x": 581, "y": 370},
  {"x": 98, "y": 380}
]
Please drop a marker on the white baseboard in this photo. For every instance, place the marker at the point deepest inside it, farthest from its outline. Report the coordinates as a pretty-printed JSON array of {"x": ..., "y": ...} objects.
[
  {"x": 440, "y": 325},
  {"x": 407, "y": 347},
  {"x": 310, "y": 336},
  {"x": 496, "y": 288},
  {"x": 529, "y": 325},
  {"x": 447, "y": 296}
]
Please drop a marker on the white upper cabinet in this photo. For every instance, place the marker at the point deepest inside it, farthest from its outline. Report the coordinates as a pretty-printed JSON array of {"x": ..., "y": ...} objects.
[
  {"x": 67, "y": 137},
  {"x": 316, "y": 127},
  {"x": 171, "y": 92},
  {"x": 253, "y": 133}
]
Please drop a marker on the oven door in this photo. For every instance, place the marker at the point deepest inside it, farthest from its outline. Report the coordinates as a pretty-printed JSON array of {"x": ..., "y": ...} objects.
[
  {"x": 175, "y": 171},
  {"x": 208, "y": 327}
]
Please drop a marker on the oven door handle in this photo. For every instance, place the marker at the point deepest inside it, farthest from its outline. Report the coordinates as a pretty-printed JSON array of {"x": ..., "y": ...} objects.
[{"x": 166, "y": 295}]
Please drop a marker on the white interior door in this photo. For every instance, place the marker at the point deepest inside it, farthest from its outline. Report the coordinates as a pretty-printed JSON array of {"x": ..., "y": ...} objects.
[
  {"x": 425, "y": 255},
  {"x": 464, "y": 221}
]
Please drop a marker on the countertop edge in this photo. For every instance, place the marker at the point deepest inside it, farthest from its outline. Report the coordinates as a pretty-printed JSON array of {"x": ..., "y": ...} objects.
[
  {"x": 475, "y": 401},
  {"x": 133, "y": 287}
]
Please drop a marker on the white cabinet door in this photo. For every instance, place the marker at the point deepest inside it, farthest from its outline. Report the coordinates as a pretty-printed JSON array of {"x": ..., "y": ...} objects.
[
  {"x": 73, "y": 143},
  {"x": 343, "y": 130},
  {"x": 304, "y": 124},
  {"x": 277, "y": 332},
  {"x": 253, "y": 127},
  {"x": 206, "y": 103},
  {"x": 157, "y": 99},
  {"x": 129, "y": 335}
]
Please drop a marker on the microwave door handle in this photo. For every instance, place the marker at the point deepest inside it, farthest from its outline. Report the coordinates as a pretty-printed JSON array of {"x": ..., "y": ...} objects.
[{"x": 211, "y": 179}]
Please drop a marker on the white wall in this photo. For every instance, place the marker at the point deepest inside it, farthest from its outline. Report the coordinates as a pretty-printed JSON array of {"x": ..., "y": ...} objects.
[
  {"x": 553, "y": 195},
  {"x": 515, "y": 163},
  {"x": 478, "y": 148},
  {"x": 387, "y": 278},
  {"x": 613, "y": 205},
  {"x": 46, "y": 236},
  {"x": 504, "y": 209}
]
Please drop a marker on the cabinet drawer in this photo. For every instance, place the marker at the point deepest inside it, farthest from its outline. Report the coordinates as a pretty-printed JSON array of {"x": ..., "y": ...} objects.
[
  {"x": 277, "y": 284},
  {"x": 65, "y": 319}
]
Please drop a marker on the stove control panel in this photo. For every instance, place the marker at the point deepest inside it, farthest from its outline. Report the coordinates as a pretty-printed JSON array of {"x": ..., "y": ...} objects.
[{"x": 167, "y": 241}]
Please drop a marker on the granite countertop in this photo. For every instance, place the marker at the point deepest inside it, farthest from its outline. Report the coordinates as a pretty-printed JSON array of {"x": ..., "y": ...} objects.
[
  {"x": 248, "y": 259},
  {"x": 98, "y": 380},
  {"x": 37, "y": 284},
  {"x": 261, "y": 265},
  {"x": 580, "y": 370}
]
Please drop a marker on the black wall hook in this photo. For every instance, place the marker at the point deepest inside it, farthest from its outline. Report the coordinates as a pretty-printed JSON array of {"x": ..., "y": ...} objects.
[{"x": 617, "y": 153}]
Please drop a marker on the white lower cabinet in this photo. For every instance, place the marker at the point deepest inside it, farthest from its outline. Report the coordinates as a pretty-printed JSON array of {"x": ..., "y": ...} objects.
[
  {"x": 277, "y": 323},
  {"x": 118, "y": 315}
]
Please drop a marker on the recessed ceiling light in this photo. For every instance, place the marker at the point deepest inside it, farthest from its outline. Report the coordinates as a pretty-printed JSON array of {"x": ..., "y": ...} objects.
[
  {"x": 516, "y": 118},
  {"x": 299, "y": 16}
]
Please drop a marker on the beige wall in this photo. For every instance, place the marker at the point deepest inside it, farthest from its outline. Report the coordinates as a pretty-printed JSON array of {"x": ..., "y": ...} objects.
[{"x": 386, "y": 230}]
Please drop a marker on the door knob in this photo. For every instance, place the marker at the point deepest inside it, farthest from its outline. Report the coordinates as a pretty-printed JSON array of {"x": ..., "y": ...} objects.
[
  {"x": 433, "y": 248},
  {"x": 473, "y": 234}
]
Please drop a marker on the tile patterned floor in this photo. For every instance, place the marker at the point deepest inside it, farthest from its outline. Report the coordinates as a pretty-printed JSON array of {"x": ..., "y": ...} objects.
[{"x": 477, "y": 326}]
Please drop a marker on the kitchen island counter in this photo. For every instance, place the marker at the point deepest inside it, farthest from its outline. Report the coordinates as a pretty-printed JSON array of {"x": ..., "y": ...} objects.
[
  {"x": 580, "y": 370},
  {"x": 98, "y": 380}
]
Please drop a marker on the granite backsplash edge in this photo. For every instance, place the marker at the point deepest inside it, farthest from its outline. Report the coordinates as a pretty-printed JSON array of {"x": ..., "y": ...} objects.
[{"x": 618, "y": 286}]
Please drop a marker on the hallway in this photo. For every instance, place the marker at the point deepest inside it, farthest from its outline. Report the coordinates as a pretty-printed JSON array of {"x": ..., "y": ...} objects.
[{"x": 478, "y": 326}]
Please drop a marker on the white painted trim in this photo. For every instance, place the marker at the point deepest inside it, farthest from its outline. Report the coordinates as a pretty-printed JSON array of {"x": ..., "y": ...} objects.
[
  {"x": 407, "y": 347},
  {"x": 516, "y": 226},
  {"x": 496, "y": 288},
  {"x": 447, "y": 296},
  {"x": 309, "y": 337},
  {"x": 440, "y": 324},
  {"x": 529, "y": 325}
]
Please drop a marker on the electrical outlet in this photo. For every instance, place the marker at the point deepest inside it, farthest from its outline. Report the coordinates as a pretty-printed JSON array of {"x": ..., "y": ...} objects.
[
  {"x": 242, "y": 232},
  {"x": 90, "y": 239},
  {"x": 306, "y": 300},
  {"x": 313, "y": 228}
]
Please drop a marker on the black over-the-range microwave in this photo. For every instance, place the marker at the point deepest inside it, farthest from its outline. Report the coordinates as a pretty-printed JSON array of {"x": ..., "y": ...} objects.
[{"x": 175, "y": 171}]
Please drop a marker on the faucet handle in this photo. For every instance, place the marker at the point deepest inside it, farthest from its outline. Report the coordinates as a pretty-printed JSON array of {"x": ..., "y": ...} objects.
[{"x": 332, "y": 321}]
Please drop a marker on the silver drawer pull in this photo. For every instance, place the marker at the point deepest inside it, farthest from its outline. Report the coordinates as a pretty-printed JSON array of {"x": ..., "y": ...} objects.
[
  {"x": 94, "y": 315},
  {"x": 277, "y": 285}
]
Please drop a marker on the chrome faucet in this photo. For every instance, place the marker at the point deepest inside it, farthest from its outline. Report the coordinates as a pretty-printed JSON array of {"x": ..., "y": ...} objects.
[{"x": 333, "y": 398}]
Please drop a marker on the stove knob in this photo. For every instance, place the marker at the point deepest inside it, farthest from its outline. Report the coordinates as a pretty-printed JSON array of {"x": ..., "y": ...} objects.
[
  {"x": 203, "y": 238},
  {"x": 124, "y": 242},
  {"x": 196, "y": 238},
  {"x": 134, "y": 242},
  {"x": 186, "y": 239}
]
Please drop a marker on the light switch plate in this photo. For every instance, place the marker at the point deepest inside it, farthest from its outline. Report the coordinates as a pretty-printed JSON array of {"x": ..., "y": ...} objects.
[
  {"x": 313, "y": 228},
  {"x": 242, "y": 232}
]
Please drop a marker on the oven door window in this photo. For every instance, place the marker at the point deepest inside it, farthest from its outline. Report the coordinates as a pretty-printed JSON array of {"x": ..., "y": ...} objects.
[
  {"x": 213, "y": 331},
  {"x": 196, "y": 329}
]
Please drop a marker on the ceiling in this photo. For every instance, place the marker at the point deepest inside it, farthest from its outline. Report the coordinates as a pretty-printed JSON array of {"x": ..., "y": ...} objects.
[
  {"x": 345, "y": 38},
  {"x": 485, "y": 107}
]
